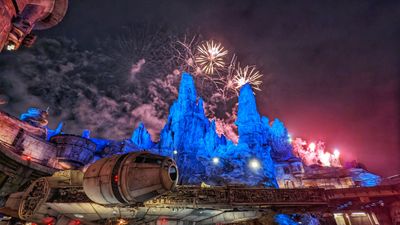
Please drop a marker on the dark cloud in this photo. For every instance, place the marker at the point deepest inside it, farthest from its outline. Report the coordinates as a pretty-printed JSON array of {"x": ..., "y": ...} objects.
[
  {"x": 332, "y": 67},
  {"x": 83, "y": 89}
]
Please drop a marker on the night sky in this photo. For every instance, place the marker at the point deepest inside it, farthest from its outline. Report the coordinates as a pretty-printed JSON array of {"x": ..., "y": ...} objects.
[{"x": 331, "y": 67}]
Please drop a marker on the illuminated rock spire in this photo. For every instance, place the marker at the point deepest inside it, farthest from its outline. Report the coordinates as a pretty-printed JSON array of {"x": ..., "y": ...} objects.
[
  {"x": 250, "y": 127},
  {"x": 281, "y": 147},
  {"x": 254, "y": 139},
  {"x": 142, "y": 138},
  {"x": 188, "y": 132},
  {"x": 186, "y": 120},
  {"x": 187, "y": 96}
]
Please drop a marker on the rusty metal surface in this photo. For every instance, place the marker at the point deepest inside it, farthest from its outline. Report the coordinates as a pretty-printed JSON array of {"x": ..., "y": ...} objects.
[
  {"x": 55, "y": 16},
  {"x": 231, "y": 197},
  {"x": 17, "y": 124},
  {"x": 6, "y": 13},
  {"x": 33, "y": 198},
  {"x": 19, "y": 17},
  {"x": 129, "y": 178},
  {"x": 193, "y": 202},
  {"x": 377, "y": 191},
  {"x": 73, "y": 151},
  {"x": 69, "y": 195},
  {"x": 241, "y": 197}
]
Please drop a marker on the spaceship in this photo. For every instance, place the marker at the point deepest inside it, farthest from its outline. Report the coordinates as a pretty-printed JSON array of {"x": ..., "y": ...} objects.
[
  {"x": 19, "y": 17},
  {"x": 49, "y": 177}
]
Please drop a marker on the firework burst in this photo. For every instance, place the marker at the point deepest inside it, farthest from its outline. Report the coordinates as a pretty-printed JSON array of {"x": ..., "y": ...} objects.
[
  {"x": 210, "y": 57},
  {"x": 247, "y": 74}
]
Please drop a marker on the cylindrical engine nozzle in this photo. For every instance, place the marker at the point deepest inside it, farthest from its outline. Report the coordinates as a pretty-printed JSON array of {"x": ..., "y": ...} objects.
[{"x": 129, "y": 178}]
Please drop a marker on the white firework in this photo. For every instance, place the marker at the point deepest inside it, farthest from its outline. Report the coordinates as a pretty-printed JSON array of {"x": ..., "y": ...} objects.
[
  {"x": 210, "y": 57},
  {"x": 247, "y": 74}
]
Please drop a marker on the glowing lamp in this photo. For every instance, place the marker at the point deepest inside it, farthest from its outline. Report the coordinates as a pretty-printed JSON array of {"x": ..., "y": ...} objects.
[
  {"x": 10, "y": 47},
  {"x": 175, "y": 152},
  {"x": 215, "y": 160},
  {"x": 254, "y": 164}
]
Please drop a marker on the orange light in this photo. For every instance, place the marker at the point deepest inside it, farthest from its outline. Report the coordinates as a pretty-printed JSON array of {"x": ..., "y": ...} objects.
[{"x": 122, "y": 222}]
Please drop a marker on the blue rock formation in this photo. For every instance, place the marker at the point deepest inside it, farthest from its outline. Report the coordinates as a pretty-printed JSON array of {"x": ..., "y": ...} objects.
[
  {"x": 308, "y": 219},
  {"x": 282, "y": 150},
  {"x": 203, "y": 156},
  {"x": 141, "y": 138},
  {"x": 250, "y": 127},
  {"x": 188, "y": 132},
  {"x": 296, "y": 219},
  {"x": 254, "y": 140},
  {"x": 283, "y": 219}
]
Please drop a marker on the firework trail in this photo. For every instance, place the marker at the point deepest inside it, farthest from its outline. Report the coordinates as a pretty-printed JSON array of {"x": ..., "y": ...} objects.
[
  {"x": 184, "y": 54},
  {"x": 143, "y": 49},
  {"x": 228, "y": 88}
]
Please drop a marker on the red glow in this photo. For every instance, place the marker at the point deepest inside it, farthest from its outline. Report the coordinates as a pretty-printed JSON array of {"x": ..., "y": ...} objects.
[
  {"x": 28, "y": 158},
  {"x": 314, "y": 153},
  {"x": 116, "y": 178},
  {"x": 163, "y": 221},
  {"x": 49, "y": 220},
  {"x": 74, "y": 222}
]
